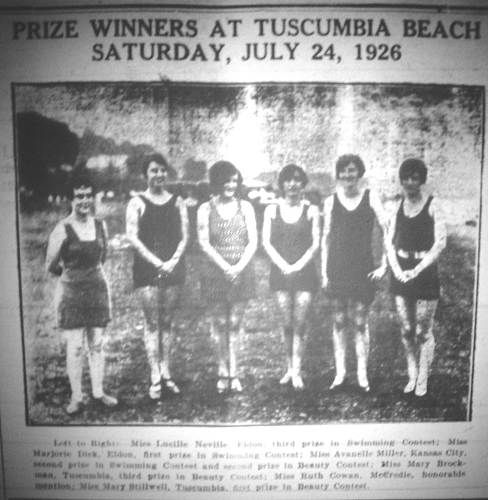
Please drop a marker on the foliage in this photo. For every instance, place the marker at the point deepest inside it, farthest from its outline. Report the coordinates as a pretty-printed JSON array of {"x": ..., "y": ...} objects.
[{"x": 43, "y": 146}]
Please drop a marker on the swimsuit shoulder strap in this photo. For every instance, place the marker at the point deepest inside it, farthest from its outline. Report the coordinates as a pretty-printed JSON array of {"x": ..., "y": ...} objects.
[{"x": 70, "y": 232}]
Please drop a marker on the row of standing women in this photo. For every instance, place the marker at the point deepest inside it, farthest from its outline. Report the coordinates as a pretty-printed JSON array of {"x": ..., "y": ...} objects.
[{"x": 157, "y": 228}]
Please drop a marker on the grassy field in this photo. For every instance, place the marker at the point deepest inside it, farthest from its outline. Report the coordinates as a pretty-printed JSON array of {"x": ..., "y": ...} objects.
[{"x": 260, "y": 350}]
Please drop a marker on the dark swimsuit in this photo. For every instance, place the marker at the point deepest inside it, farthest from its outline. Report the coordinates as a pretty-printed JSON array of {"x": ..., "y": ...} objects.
[
  {"x": 160, "y": 232},
  {"x": 414, "y": 235},
  {"x": 350, "y": 255},
  {"x": 291, "y": 241},
  {"x": 83, "y": 296}
]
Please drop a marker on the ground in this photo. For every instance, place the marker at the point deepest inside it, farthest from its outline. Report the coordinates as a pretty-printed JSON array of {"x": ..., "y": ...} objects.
[{"x": 260, "y": 350}]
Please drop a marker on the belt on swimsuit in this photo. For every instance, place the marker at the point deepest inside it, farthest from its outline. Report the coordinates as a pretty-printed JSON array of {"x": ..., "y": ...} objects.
[{"x": 406, "y": 254}]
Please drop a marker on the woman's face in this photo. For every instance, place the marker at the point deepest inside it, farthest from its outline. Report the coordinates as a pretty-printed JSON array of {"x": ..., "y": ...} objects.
[
  {"x": 156, "y": 176},
  {"x": 83, "y": 201},
  {"x": 229, "y": 187},
  {"x": 349, "y": 176},
  {"x": 411, "y": 184},
  {"x": 293, "y": 186}
]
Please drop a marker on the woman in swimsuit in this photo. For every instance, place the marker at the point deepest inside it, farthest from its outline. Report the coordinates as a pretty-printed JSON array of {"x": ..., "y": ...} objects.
[
  {"x": 227, "y": 235},
  {"x": 291, "y": 237},
  {"x": 76, "y": 252},
  {"x": 348, "y": 271},
  {"x": 416, "y": 238},
  {"x": 157, "y": 228}
]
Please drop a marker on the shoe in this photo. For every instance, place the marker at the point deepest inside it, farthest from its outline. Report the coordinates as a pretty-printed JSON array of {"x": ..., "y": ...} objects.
[
  {"x": 421, "y": 389},
  {"x": 286, "y": 378},
  {"x": 235, "y": 384},
  {"x": 170, "y": 385},
  {"x": 338, "y": 382},
  {"x": 297, "y": 382},
  {"x": 107, "y": 400},
  {"x": 74, "y": 407},
  {"x": 363, "y": 385},
  {"x": 155, "y": 391},
  {"x": 222, "y": 384},
  {"x": 410, "y": 387}
]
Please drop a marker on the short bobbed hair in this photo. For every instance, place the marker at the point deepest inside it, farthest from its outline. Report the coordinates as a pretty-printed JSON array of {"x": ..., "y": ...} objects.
[
  {"x": 413, "y": 166},
  {"x": 156, "y": 158},
  {"x": 344, "y": 160},
  {"x": 220, "y": 173},
  {"x": 289, "y": 171},
  {"x": 80, "y": 178}
]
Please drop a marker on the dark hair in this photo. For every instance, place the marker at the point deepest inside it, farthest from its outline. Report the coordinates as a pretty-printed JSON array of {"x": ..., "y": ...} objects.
[
  {"x": 289, "y": 171},
  {"x": 80, "y": 178},
  {"x": 413, "y": 166},
  {"x": 220, "y": 173},
  {"x": 156, "y": 158},
  {"x": 344, "y": 160}
]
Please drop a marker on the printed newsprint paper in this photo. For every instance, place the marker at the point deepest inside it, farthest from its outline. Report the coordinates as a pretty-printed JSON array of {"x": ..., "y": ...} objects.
[{"x": 95, "y": 88}]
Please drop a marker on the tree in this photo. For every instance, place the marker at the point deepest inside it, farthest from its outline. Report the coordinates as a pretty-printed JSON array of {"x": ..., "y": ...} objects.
[{"x": 43, "y": 147}]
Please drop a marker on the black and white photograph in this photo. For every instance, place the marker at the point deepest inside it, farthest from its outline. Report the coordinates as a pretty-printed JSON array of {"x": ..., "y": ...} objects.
[{"x": 247, "y": 253}]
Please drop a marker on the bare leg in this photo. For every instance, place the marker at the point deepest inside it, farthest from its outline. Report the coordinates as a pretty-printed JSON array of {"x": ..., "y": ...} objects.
[
  {"x": 219, "y": 331},
  {"x": 74, "y": 366},
  {"x": 425, "y": 325},
  {"x": 302, "y": 301},
  {"x": 406, "y": 309},
  {"x": 96, "y": 362},
  {"x": 361, "y": 339},
  {"x": 150, "y": 305},
  {"x": 338, "y": 336},
  {"x": 168, "y": 301},
  {"x": 236, "y": 312},
  {"x": 284, "y": 302}
]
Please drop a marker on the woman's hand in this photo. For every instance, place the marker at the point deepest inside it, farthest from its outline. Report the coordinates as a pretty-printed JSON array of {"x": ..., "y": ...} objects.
[
  {"x": 378, "y": 273},
  {"x": 167, "y": 267},
  {"x": 233, "y": 273},
  {"x": 325, "y": 281},
  {"x": 289, "y": 269},
  {"x": 410, "y": 274},
  {"x": 405, "y": 276}
]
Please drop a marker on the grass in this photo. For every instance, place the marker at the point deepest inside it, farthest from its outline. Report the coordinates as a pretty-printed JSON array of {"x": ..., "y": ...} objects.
[{"x": 260, "y": 350}]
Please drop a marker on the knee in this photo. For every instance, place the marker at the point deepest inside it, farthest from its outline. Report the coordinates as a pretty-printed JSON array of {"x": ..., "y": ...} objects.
[
  {"x": 75, "y": 349},
  {"x": 151, "y": 323},
  {"x": 340, "y": 320},
  {"x": 165, "y": 321},
  {"x": 405, "y": 324},
  {"x": 235, "y": 321},
  {"x": 425, "y": 335},
  {"x": 151, "y": 340},
  {"x": 360, "y": 323},
  {"x": 408, "y": 333},
  {"x": 219, "y": 323},
  {"x": 96, "y": 346}
]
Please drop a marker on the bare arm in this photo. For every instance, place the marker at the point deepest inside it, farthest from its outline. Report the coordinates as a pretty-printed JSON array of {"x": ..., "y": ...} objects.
[
  {"x": 252, "y": 235},
  {"x": 105, "y": 239},
  {"x": 53, "y": 255},
  {"x": 381, "y": 217},
  {"x": 276, "y": 258},
  {"x": 133, "y": 215},
  {"x": 325, "y": 239},
  {"x": 313, "y": 213},
  {"x": 390, "y": 248},
  {"x": 204, "y": 240}
]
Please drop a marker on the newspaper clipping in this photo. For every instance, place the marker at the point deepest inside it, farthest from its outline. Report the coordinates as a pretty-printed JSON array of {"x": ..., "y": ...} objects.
[{"x": 243, "y": 250}]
